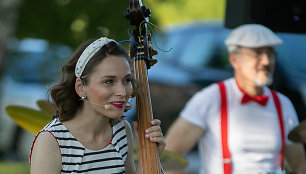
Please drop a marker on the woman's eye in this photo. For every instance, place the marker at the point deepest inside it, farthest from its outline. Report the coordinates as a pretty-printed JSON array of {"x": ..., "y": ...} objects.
[
  {"x": 128, "y": 80},
  {"x": 109, "y": 82}
]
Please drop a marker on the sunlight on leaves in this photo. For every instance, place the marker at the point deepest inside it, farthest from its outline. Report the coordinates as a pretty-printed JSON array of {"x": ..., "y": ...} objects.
[{"x": 175, "y": 11}]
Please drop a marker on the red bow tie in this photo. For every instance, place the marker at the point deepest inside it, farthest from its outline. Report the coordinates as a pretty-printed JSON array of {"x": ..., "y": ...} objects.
[{"x": 262, "y": 100}]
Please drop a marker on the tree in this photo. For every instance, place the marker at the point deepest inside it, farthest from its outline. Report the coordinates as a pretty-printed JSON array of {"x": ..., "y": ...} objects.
[
  {"x": 8, "y": 18},
  {"x": 72, "y": 21},
  {"x": 166, "y": 12}
]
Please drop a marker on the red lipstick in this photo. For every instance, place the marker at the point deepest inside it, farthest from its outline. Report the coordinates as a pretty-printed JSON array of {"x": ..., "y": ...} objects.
[{"x": 118, "y": 104}]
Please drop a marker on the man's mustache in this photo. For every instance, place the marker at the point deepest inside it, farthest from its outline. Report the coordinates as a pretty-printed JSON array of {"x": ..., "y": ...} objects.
[{"x": 265, "y": 68}]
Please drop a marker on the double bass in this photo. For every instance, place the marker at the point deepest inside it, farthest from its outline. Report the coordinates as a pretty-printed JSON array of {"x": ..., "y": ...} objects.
[{"x": 141, "y": 52}]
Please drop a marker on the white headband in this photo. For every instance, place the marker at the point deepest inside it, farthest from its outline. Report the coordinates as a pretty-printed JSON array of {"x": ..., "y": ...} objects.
[{"x": 88, "y": 53}]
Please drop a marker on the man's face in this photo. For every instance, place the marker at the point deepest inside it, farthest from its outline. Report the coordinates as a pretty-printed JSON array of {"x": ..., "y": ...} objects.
[{"x": 255, "y": 64}]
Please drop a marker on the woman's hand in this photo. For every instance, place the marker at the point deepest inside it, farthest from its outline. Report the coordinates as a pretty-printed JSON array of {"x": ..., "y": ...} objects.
[{"x": 154, "y": 134}]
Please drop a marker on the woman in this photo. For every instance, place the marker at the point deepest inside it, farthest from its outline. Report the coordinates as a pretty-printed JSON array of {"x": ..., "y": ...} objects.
[{"x": 89, "y": 134}]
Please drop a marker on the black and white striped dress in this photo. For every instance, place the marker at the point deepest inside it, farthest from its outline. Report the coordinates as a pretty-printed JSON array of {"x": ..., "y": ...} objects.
[{"x": 78, "y": 159}]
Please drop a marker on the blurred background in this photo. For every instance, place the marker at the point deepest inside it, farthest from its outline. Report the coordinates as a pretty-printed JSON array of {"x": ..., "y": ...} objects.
[{"x": 38, "y": 36}]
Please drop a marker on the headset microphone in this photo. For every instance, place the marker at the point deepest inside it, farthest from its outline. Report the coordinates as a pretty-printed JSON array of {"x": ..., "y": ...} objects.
[{"x": 107, "y": 107}]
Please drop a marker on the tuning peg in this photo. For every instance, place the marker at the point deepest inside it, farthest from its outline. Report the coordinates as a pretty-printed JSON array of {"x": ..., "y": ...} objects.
[
  {"x": 154, "y": 52},
  {"x": 153, "y": 62},
  {"x": 146, "y": 11},
  {"x": 127, "y": 14}
]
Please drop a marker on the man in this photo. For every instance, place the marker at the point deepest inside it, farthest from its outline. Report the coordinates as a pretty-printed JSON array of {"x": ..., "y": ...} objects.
[{"x": 240, "y": 125}]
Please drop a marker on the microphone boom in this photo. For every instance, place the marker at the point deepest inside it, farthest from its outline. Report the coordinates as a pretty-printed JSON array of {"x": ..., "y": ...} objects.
[{"x": 107, "y": 107}]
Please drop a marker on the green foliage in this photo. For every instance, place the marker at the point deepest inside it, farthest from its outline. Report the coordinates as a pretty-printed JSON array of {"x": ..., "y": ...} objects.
[
  {"x": 173, "y": 11},
  {"x": 73, "y": 21},
  {"x": 14, "y": 168}
]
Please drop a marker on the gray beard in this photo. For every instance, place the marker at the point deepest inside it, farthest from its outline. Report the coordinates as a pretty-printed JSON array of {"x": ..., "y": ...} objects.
[{"x": 262, "y": 83}]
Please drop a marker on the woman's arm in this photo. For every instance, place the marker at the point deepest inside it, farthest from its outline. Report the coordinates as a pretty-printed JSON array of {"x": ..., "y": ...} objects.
[{"x": 45, "y": 156}]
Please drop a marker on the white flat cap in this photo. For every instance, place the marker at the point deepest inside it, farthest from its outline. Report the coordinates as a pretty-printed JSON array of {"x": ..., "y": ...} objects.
[{"x": 252, "y": 36}]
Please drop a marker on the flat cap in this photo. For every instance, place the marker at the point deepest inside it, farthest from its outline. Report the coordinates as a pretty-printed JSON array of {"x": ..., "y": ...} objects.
[{"x": 253, "y": 36}]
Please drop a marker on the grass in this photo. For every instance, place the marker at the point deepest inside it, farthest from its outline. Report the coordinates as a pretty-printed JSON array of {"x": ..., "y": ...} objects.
[
  {"x": 22, "y": 168},
  {"x": 14, "y": 168}
]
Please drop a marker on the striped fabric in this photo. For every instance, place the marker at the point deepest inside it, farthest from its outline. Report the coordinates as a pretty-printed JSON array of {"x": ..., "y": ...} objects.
[{"x": 78, "y": 159}]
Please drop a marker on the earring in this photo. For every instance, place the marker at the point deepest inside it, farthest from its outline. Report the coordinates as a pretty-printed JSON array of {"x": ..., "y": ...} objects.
[{"x": 83, "y": 97}]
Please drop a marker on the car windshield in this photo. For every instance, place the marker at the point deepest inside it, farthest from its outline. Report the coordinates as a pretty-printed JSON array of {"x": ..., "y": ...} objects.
[
  {"x": 292, "y": 52},
  {"x": 35, "y": 61},
  {"x": 195, "y": 46}
]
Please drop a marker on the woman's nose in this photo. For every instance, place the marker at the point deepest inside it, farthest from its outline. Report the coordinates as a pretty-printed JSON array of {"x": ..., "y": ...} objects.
[{"x": 121, "y": 89}]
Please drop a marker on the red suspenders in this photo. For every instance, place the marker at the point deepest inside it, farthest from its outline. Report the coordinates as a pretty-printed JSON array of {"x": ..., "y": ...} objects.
[
  {"x": 227, "y": 163},
  {"x": 281, "y": 124}
]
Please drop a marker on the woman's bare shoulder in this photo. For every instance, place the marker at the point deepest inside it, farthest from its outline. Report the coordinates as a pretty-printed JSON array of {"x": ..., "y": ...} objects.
[{"x": 45, "y": 155}]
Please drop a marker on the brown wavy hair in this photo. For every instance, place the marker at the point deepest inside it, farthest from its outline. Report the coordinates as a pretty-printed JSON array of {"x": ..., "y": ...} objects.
[{"x": 64, "y": 95}]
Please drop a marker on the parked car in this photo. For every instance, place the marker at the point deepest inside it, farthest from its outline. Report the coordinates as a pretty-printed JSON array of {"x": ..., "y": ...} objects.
[
  {"x": 198, "y": 58},
  {"x": 32, "y": 65}
]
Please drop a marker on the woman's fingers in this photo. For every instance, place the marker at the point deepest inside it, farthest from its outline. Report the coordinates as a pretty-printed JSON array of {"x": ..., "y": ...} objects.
[
  {"x": 153, "y": 129},
  {"x": 155, "y": 126},
  {"x": 153, "y": 133},
  {"x": 159, "y": 140},
  {"x": 155, "y": 122}
]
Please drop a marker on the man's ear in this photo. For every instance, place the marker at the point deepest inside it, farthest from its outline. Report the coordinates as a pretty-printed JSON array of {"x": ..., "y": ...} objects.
[
  {"x": 79, "y": 87},
  {"x": 233, "y": 59}
]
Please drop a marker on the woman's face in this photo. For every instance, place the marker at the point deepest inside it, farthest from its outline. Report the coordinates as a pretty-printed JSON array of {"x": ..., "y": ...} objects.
[{"x": 110, "y": 84}]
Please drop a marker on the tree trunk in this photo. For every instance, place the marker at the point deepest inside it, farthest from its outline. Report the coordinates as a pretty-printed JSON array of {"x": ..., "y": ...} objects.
[{"x": 8, "y": 19}]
